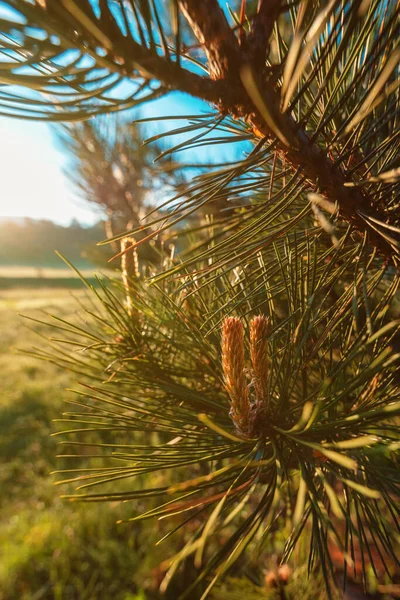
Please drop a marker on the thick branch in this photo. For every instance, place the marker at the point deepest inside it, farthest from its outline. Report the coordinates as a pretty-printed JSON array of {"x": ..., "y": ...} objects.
[{"x": 209, "y": 24}]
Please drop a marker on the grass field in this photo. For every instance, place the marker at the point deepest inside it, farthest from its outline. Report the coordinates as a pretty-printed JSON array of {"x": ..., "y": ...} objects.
[
  {"x": 36, "y": 278},
  {"x": 48, "y": 548}
]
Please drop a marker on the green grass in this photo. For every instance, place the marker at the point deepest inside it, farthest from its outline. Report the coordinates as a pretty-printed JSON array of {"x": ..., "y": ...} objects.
[{"x": 50, "y": 549}]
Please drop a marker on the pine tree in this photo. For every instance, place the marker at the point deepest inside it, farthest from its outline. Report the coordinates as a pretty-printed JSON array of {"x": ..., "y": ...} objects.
[
  {"x": 113, "y": 169},
  {"x": 259, "y": 367}
]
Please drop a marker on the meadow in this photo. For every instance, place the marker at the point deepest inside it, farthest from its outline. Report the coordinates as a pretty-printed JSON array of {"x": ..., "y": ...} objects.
[{"x": 49, "y": 548}]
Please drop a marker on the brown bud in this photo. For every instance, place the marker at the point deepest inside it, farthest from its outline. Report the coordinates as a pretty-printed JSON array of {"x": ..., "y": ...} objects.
[
  {"x": 270, "y": 579},
  {"x": 130, "y": 270},
  {"x": 285, "y": 573},
  {"x": 234, "y": 372},
  {"x": 259, "y": 332}
]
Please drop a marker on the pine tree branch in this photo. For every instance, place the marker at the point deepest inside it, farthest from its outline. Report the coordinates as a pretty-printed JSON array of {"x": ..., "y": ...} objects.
[
  {"x": 123, "y": 54},
  {"x": 258, "y": 103},
  {"x": 329, "y": 180},
  {"x": 225, "y": 61}
]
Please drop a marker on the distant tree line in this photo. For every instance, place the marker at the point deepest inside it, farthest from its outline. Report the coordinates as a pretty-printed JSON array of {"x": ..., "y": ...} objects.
[{"x": 29, "y": 242}]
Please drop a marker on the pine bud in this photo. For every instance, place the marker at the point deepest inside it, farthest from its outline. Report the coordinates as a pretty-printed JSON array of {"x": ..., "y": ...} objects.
[
  {"x": 259, "y": 331},
  {"x": 234, "y": 372},
  {"x": 130, "y": 270}
]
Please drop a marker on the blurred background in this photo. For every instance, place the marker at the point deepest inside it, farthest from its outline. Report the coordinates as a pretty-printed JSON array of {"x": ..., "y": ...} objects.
[
  {"x": 62, "y": 189},
  {"x": 65, "y": 189},
  {"x": 49, "y": 549}
]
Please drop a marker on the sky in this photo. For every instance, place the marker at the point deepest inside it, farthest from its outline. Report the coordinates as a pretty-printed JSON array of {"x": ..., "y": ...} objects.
[
  {"x": 32, "y": 179},
  {"x": 32, "y": 182},
  {"x": 31, "y": 173}
]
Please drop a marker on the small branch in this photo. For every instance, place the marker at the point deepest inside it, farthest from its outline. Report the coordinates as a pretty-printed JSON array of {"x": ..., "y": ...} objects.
[
  {"x": 261, "y": 31},
  {"x": 211, "y": 28},
  {"x": 124, "y": 55},
  {"x": 171, "y": 75}
]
